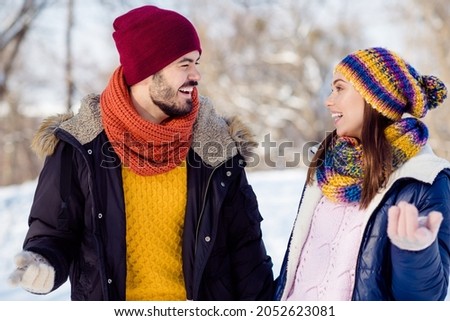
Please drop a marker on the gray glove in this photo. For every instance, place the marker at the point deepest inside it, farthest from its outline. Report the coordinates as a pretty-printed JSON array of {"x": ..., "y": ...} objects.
[{"x": 33, "y": 273}]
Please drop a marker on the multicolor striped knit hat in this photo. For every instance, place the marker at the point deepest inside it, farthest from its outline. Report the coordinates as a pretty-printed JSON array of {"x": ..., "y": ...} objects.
[{"x": 391, "y": 85}]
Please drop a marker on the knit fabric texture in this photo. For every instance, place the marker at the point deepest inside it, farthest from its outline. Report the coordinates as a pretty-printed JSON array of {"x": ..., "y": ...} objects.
[
  {"x": 391, "y": 85},
  {"x": 155, "y": 207},
  {"x": 340, "y": 176},
  {"x": 149, "y": 38},
  {"x": 326, "y": 267},
  {"x": 147, "y": 148}
]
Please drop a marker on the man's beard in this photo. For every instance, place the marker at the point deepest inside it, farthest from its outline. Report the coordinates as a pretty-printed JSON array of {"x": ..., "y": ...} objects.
[
  {"x": 172, "y": 110},
  {"x": 165, "y": 98}
]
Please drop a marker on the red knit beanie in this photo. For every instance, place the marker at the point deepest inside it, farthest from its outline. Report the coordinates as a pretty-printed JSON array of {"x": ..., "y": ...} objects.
[{"x": 149, "y": 38}]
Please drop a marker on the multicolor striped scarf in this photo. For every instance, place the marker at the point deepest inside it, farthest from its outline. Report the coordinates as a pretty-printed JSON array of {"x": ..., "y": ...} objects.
[{"x": 340, "y": 176}]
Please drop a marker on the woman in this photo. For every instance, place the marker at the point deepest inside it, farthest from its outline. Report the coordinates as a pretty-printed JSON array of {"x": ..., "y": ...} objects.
[{"x": 374, "y": 218}]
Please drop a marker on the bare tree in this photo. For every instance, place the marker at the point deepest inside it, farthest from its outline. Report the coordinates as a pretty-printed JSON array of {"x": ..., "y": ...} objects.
[
  {"x": 268, "y": 63},
  {"x": 17, "y": 163},
  {"x": 13, "y": 36},
  {"x": 70, "y": 86}
]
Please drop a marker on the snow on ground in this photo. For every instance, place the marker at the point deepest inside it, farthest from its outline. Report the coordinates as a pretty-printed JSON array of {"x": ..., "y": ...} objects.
[{"x": 278, "y": 193}]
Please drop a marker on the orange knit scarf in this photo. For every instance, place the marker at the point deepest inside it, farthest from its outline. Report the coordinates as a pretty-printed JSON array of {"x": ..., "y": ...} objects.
[{"x": 147, "y": 148}]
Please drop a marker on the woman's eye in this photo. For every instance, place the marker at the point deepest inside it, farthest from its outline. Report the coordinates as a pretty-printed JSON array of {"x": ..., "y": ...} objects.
[{"x": 336, "y": 89}]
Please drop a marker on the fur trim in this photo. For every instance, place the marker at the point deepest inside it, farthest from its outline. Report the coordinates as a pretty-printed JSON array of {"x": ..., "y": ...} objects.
[
  {"x": 87, "y": 124},
  {"x": 242, "y": 136},
  {"x": 215, "y": 138},
  {"x": 44, "y": 141}
]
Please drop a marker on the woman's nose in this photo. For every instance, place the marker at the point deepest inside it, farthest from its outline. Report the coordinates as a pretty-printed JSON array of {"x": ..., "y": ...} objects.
[{"x": 328, "y": 101}]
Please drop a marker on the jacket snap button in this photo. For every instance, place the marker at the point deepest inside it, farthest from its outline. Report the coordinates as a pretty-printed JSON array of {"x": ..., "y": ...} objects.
[
  {"x": 100, "y": 215},
  {"x": 222, "y": 184},
  {"x": 228, "y": 173},
  {"x": 89, "y": 151},
  {"x": 109, "y": 281},
  {"x": 207, "y": 239}
]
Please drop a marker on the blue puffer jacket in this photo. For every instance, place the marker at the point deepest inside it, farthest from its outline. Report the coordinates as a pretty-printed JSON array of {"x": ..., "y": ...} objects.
[
  {"x": 383, "y": 271},
  {"x": 83, "y": 237}
]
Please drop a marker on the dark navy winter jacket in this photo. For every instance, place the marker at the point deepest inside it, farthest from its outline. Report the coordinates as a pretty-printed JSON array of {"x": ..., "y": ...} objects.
[
  {"x": 224, "y": 257},
  {"x": 383, "y": 271}
]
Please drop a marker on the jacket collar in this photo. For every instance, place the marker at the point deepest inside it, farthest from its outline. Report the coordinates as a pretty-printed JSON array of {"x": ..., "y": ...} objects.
[
  {"x": 215, "y": 138},
  {"x": 424, "y": 167}
]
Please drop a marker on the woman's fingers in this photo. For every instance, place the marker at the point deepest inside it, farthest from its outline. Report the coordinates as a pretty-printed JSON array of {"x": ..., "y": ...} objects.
[
  {"x": 393, "y": 214},
  {"x": 434, "y": 222},
  {"x": 408, "y": 231}
]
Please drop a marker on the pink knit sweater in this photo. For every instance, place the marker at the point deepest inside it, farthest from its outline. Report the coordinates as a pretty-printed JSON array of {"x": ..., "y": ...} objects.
[{"x": 326, "y": 270}]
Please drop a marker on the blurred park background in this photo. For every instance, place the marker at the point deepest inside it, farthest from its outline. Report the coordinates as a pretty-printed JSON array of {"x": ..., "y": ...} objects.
[{"x": 268, "y": 61}]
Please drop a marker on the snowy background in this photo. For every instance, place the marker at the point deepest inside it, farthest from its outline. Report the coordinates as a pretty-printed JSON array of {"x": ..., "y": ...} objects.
[{"x": 278, "y": 193}]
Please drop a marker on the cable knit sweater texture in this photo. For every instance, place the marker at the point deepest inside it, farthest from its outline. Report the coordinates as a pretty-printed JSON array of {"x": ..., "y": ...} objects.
[
  {"x": 326, "y": 269},
  {"x": 155, "y": 208}
]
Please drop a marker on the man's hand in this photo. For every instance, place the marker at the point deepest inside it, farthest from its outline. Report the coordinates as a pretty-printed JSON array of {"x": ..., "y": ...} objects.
[
  {"x": 33, "y": 273},
  {"x": 410, "y": 232}
]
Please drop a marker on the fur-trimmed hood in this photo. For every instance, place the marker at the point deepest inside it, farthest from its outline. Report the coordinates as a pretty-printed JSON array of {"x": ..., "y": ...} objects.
[{"x": 215, "y": 138}]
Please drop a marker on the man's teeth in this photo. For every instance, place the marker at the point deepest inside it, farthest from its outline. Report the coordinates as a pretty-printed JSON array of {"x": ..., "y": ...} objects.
[
  {"x": 186, "y": 90},
  {"x": 336, "y": 115}
]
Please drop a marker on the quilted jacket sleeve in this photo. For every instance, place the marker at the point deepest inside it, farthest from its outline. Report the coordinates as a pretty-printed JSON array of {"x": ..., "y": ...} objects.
[{"x": 424, "y": 275}]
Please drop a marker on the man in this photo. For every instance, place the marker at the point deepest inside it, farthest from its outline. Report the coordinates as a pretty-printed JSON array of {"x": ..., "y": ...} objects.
[{"x": 143, "y": 195}]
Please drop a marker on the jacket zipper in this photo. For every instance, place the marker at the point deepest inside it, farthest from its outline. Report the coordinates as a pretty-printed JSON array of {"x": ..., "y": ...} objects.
[
  {"x": 66, "y": 137},
  {"x": 203, "y": 207}
]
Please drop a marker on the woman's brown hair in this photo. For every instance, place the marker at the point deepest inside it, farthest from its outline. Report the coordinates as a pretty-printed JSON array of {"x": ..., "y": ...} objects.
[{"x": 377, "y": 154}]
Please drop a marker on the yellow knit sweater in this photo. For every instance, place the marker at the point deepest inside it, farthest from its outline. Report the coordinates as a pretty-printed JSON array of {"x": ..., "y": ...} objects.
[{"x": 155, "y": 207}]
